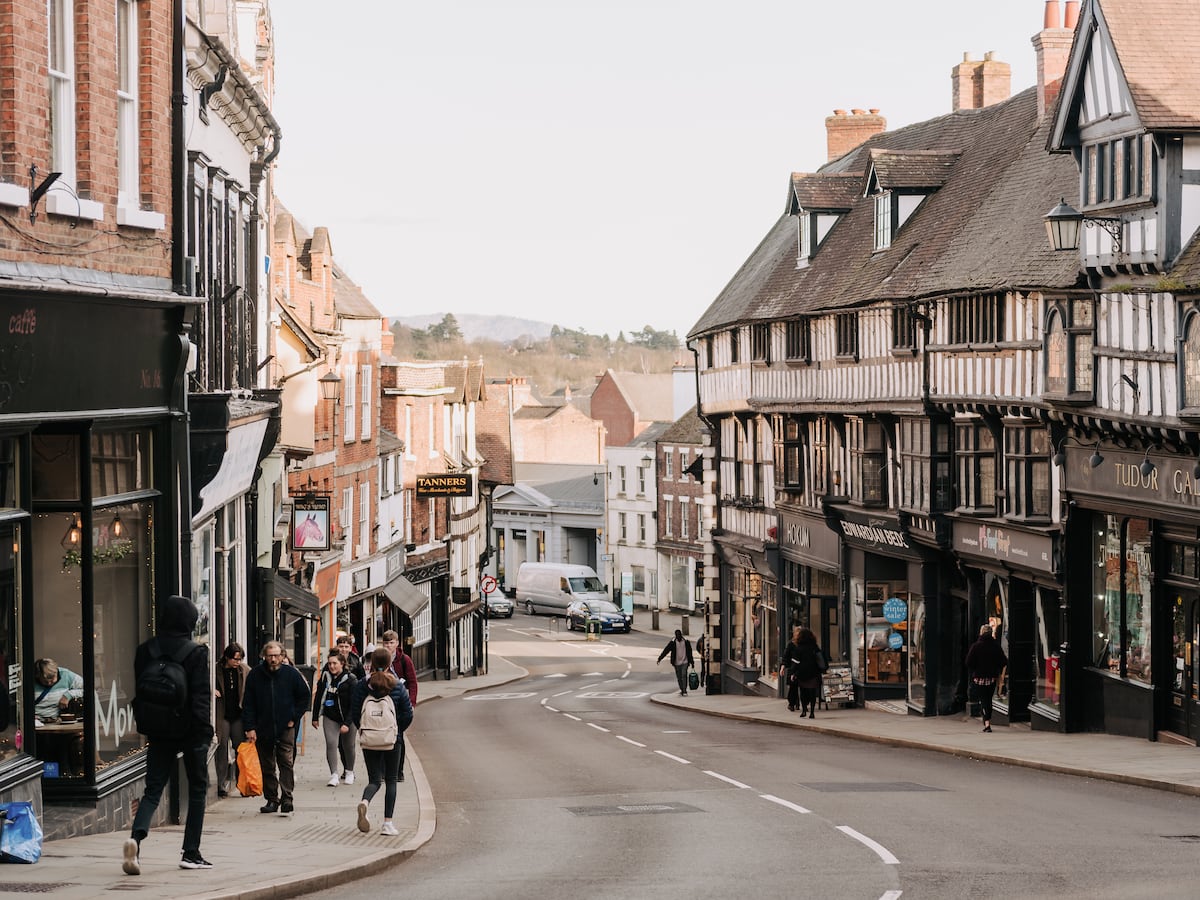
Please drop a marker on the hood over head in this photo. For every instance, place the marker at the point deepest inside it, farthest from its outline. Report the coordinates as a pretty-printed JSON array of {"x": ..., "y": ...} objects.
[{"x": 177, "y": 617}]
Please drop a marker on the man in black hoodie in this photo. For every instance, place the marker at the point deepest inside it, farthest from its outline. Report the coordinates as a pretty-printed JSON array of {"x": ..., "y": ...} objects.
[{"x": 176, "y": 621}]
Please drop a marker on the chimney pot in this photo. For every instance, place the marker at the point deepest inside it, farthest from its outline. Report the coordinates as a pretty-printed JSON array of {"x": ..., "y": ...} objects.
[
  {"x": 1071, "y": 16},
  {"x": 858, "y": 112},
  {"x": 839, "y": 112},
  {"x": 873, "y": 112},
  {"x": 1053, "y": 15}
]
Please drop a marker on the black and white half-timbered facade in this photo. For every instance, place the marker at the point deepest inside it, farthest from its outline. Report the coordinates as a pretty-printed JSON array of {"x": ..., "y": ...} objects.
[{"x": 927, "y": 417}]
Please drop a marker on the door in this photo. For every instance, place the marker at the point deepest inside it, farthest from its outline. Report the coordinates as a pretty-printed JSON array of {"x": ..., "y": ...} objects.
[{"x": 1181, "y": 717}]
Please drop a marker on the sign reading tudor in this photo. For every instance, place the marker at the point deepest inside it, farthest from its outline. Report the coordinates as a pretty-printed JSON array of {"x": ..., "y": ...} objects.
[{"x": 444, "y": 485}]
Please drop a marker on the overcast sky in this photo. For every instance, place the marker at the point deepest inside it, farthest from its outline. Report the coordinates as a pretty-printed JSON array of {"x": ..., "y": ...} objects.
[{"x": 597, "y": 165}]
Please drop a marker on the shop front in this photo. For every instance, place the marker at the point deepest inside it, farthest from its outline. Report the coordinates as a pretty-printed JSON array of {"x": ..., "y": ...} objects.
[
  {"x": 809, "y": 584},
  {"x": 93, "y": 450},
  {"x": 1132, "y": 622},
  {"x": 896, "y": 617},
  {"x": 1012, "y": 584},
  {"x": 750, "y": 645}
]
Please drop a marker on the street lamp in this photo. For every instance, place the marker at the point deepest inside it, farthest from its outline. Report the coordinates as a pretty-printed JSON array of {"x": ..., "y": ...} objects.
[
  {"x": 1063, "y": 223},
  {"x": 331, "y": 386}
]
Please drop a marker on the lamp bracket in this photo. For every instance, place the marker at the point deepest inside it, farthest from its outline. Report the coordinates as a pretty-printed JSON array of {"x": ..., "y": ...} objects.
[
  {"x": 1112, "y": 226},
  {"x": 37, "y": 192}
]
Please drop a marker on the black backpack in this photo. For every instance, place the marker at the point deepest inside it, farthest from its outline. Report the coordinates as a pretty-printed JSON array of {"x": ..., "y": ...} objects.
[{"x": 160, "y": 704}]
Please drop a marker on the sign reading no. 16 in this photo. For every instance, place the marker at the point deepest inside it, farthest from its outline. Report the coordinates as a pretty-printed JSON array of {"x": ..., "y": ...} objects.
[{"x": 444, "y": 485}]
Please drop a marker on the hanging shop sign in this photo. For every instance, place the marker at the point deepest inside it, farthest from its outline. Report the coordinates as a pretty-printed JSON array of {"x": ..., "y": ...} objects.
[
  {"x": 310, "y": 524},
  {"x": 445, "y": 485}
]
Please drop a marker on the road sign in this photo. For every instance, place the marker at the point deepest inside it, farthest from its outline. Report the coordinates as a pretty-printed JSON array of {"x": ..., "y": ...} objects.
[{"x": 488, "y": 584}]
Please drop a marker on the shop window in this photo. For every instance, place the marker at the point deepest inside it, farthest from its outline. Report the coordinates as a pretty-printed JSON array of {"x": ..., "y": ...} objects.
[
  {"x": 880, "y": 628},
  {"x": 1027, "y": 456},
  {"x": 868, "y": 460},
  {"x": 917, "y": 672},
  {"x": 995, "y": 607},
  {"x": 976, "y": 468},
  {"x": 11, "y": 662},
  {"x": 55, "y": 465},
  {"x": 1121, "y": 604},
  {"x": 1048, "y": 640}
]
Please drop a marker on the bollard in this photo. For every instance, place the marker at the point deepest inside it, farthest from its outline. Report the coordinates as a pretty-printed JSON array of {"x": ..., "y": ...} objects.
[
  {"x": 685, "y": 624},
  {"x": 654, "y": 618}
]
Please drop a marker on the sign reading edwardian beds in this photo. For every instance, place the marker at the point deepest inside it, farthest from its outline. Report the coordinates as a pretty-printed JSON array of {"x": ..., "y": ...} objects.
[
  {"x": 444, "y": 485},
  {"x": 310, "y": 523}
]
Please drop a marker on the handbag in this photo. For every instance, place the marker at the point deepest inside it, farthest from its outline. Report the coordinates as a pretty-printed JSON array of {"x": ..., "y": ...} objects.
[
  {"x": 693, "y": 680},
  {"x": 250, "y": 780},
  {"x": 822, "y": 663},
  {"x": 20, "y": 833}
]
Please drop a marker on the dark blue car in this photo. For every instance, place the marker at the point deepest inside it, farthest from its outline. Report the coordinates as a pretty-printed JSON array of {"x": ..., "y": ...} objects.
[{"x": 612, "y": 617}]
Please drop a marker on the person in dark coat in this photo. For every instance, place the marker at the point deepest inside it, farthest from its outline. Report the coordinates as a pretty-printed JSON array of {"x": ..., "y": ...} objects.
[
  {"x": 275, "y": 701},
  {"x": 177, "y": 617},
  {"x": 383, "y": 766},
  {"x": 679, "y": 649},
  {"x": 228, "y": 691},
  {"x": 801, "y": 667},
  {"x": 986, "y": 662}
]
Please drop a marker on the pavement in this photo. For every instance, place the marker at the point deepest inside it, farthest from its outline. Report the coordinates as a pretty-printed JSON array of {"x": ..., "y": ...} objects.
[{"x": 318, "y": 847}]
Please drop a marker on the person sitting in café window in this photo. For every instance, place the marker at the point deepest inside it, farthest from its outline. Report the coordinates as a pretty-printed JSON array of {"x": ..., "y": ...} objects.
[{"x": 55, "y": 689}]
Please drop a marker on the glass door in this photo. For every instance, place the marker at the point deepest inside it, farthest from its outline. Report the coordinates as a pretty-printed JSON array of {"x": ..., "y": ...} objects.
[{"x": 1185, "y": 638}]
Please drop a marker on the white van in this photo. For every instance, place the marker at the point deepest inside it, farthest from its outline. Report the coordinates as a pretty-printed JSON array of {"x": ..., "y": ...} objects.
[{"x": 550, "y": 587}]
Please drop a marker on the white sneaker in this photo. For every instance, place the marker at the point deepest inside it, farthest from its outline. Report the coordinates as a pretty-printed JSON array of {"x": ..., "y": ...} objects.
[
  {"x": 388, "y": 828},
  {"x": 364, "y": 824},
  {"x": 348, "y": 778},
  {"x": 333, "y": 780}
]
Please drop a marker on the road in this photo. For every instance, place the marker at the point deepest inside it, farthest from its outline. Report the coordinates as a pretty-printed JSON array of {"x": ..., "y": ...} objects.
[{"x": 573, "y": 783}]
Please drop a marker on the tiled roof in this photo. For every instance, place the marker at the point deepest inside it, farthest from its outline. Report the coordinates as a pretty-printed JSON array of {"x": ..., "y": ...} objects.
[
  {"x": 1158, "y": 45},
  {"x": 912, "y": 168},
  {"x": 536, "y": 412},
  {"x": 982, "y": 230},
  {"x": 649, "y": 395},
  {"x": 687, "y": 429},
  {"x": 823, "y": 192},
  {"x": 349, "y": 299}
]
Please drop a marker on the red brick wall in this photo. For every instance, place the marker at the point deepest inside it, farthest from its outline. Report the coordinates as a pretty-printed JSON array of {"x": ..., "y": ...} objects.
[
  {"x": 25, "y": 137},
  {"x": 609, "y": 406}
]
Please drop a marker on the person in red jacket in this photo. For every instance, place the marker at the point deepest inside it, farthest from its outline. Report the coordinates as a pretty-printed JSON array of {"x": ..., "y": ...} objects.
[{"x": 402, "y": 668}]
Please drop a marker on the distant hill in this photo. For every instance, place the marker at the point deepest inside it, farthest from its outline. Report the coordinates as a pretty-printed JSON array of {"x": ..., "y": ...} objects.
[{"x": 474, "y": 327}]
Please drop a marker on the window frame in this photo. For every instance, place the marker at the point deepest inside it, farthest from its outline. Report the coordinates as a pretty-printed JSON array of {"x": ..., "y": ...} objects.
[
  {"x": 1027, "y": 450},
  {"x": 971, "y": 452},
  {"x": 1068, "y": 368},
  {"x": 846, "y": 338},
  {"x": 976, "y": 319},
  {"x": 798, "y": 341},
  {"x": 760, "y": 342},
  {"x": 885, "y": 215},
  {"x": 867, "y": 440},
  {"x": 1188, "y": 365}
]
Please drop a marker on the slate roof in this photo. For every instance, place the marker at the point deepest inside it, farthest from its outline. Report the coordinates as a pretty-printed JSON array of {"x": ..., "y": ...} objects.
[
  {"x": 349, "y": 299},
  {"x": 911, "y": 168},
  {"x": 832, "y": 193},
  {"x": 1156, "y": 42},
  {"x": 982, "y": 230},
  {"x": 650, "y": 435},
  {"x": 649, "y": 395},
  {"x": 687, "y": 429}
]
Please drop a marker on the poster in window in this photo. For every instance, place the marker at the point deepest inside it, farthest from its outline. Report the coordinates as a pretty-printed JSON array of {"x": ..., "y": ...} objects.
[{"x": 310, "y": 523}]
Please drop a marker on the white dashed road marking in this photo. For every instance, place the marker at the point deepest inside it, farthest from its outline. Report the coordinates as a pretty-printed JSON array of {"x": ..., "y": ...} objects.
[
  {"x": 881, "y": 851},
  {"x": 721, "y": 777},
  {"x": 785, "y": 803},
  {"x": 678, "y": 759},
  {"x": 597, "y": 727},
  {"x": 629, "y": 741},
  {"x": 576, "y": 718}
]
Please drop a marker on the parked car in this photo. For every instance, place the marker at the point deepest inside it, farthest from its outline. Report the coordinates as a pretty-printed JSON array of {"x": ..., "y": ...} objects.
[
  {"x": 497, "y": 606},
  {"x": 611, "y": 616}
]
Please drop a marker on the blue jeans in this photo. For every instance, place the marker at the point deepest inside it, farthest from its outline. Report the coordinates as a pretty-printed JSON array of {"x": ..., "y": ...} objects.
[
  {"x": 382, "y": 766},
  {"x": 160, "y": 760}
]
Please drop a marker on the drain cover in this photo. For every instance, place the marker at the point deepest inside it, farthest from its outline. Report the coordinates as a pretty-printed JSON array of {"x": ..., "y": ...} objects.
[
  {"x": 867, "y": 787},
  {"x": 632, "y": 809}
]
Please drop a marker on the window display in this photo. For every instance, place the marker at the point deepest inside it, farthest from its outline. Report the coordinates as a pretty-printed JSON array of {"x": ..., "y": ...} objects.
[
  {"x": 881, "y": 632},
  {"x": 1121, "y": 606},
  {"x": 1047, "y": 641}
]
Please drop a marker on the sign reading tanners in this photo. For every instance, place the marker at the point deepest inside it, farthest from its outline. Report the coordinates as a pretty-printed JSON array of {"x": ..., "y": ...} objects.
[{"x": 444, "y": 485}]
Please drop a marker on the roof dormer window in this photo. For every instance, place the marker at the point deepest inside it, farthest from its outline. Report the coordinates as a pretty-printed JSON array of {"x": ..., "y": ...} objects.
[
  {"x": 883, "y": 220},
  {"x": 818, "y": 202}
]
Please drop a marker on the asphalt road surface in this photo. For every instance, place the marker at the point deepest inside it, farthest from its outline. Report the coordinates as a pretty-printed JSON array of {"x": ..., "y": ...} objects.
[{"x": 571, "y": 783}]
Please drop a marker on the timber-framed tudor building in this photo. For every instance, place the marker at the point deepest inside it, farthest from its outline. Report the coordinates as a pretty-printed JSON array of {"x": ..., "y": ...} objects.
[{"x": 924, "y": 418}]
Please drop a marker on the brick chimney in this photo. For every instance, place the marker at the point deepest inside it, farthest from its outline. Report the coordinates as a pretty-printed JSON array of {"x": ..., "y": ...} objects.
[
  {"x": 845, "y": 131},
  {"x": 1053, "y": 46},
  {"x": 979, "y": 83}
]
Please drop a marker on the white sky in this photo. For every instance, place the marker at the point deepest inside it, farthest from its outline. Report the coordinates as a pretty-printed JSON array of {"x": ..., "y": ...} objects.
[{"x": 598, "y": 165}]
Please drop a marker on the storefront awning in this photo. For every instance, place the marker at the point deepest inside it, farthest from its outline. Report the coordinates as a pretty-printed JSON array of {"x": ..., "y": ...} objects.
[
  {"x": 295, "y": 599},
  {"x": 405, "y": 596}
]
